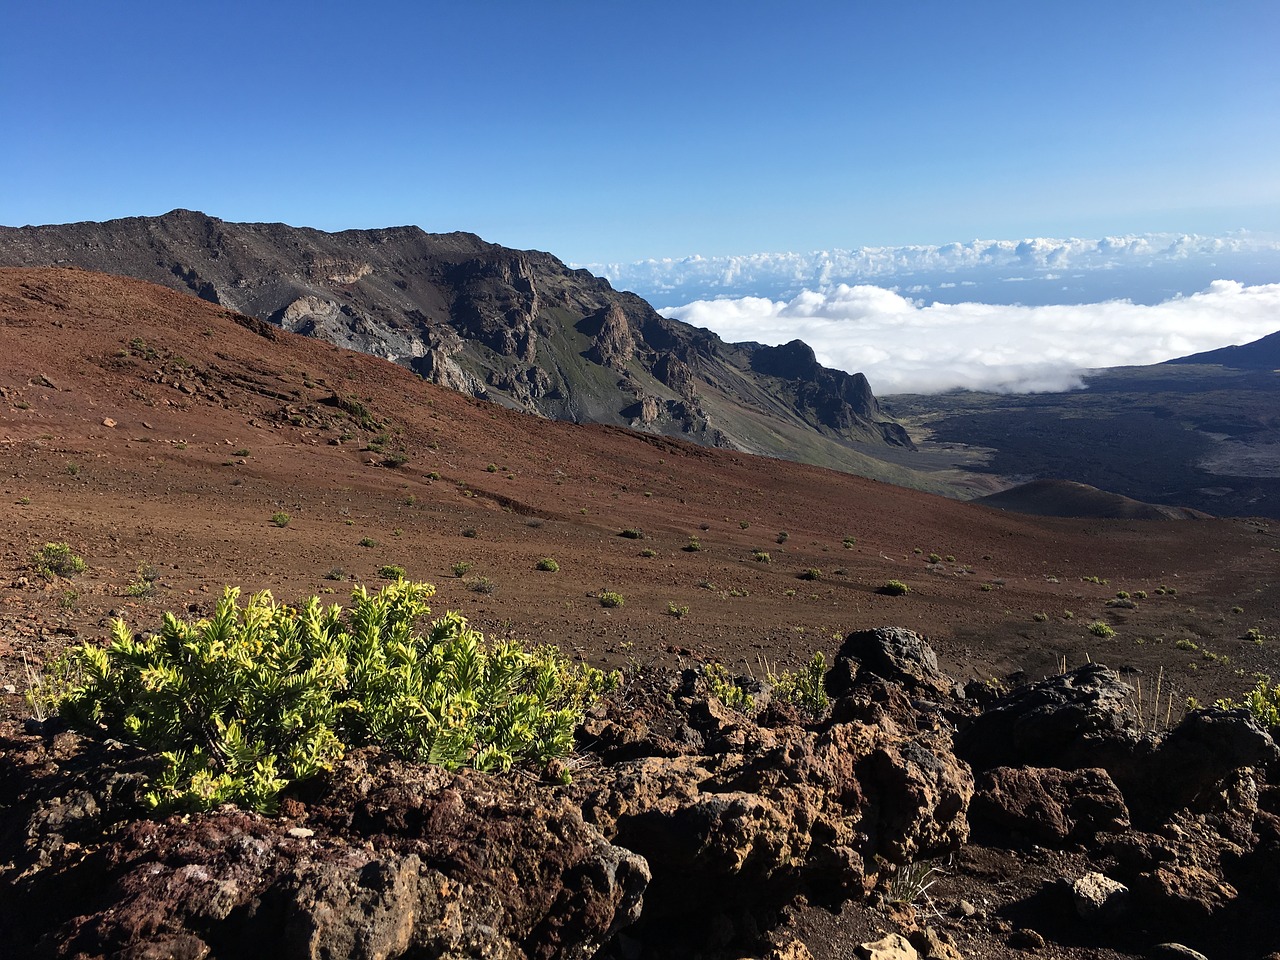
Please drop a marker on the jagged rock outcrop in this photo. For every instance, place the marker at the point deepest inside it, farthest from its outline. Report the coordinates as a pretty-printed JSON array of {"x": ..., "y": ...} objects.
[
  {"x": 689, "y": 833},
  {"x": 517, "y": 327}
]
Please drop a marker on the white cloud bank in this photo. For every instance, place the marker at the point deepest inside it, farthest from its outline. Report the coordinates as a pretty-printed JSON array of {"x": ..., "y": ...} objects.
[
  {"x": 909, "y": 346},
  {"x": 1147, "y": 268}
]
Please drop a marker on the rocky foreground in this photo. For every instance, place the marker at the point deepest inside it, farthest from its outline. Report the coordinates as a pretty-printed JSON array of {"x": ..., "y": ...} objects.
[{"x": 939, "y": 822}]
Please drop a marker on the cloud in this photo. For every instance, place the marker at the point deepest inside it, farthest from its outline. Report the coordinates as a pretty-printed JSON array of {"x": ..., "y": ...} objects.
[
  {"x": 1146, "y": 268},
  {"x": 905, "y": 345}
]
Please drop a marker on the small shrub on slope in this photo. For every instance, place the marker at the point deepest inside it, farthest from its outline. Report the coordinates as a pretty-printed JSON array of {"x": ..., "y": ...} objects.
[
  {"x": 1263, "y": 701},
  {"x": 804, "y": 689},
  {"x": 244, "y": 703}
]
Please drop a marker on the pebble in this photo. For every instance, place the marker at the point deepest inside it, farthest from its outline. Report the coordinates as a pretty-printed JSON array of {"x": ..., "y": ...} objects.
[{"x": 301, "y": 833}]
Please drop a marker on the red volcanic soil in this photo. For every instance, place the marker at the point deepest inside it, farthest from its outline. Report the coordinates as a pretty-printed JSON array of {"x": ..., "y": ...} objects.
[
  {"x": 157, "y": 434},
  {"x": 149, "y": 429}
]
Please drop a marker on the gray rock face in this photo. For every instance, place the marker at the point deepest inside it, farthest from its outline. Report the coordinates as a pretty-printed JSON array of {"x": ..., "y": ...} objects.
[{"x": 517, "y": 327}]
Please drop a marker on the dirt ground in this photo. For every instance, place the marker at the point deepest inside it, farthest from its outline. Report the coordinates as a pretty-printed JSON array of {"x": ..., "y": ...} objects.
[{"x": 158, "y": 435}]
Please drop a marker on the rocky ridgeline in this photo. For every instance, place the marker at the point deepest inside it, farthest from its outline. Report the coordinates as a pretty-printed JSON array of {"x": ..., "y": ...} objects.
[
  {"x": 514, "y": 326},
  {"x": 689, "y": 830}
]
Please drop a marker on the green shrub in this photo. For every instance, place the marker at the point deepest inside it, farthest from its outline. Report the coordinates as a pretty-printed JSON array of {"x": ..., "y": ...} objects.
[
  {"x": 548, "y": 564},
  {"x": 782, "y": 537},
  {"x": 813, "y": 573},
  {"x": 492, "y": 468},
  {"x": 280, "y": 518},
  {"x": 678, "y": 612},
  {"x": 895, "y": 588},
  {"x": 693, "y": 546},
  {"x": 935, "y": 558},
  {"x": 647, "y": 552},
  {"x": 460, "y": 568},
  {"x": 804, "y": 689},
  {"x": 1100, "y": 629},
  {"x": 609, "y": 598},
  {"x": 250, "y": 700},
  {"x": 481, "y": 585},
  {"x": 391, "y": 572},
  {"x": 1263, "y": 701},
  {"x": 242, "y": 452},
  {"x": 368, "y": 542},
  {"x": 849, "y": 542},
  {"x": 1039, "y": 617},
  {"x": 762, "y": 556},
  {"x": 727, "y": 689},
  {"x": 56, "y": 560}
]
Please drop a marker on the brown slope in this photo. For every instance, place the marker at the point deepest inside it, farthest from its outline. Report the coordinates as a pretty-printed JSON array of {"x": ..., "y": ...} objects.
[
  {"x": 145, "y": 427},
  {"x": 514, "y": 326},
  {"x": 1066, "y": 498}
]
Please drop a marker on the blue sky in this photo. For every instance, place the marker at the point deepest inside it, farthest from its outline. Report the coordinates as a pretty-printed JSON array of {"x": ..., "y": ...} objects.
[{"x": 610, "y": 132}]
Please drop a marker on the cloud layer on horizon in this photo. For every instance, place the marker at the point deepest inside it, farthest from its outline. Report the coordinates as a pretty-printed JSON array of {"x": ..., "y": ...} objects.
[
  {"x": 909, "y": 346},
  {"x": 1146, "y": 268}
]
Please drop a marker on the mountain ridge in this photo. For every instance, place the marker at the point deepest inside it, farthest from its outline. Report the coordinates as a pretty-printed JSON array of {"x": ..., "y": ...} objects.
[{"x": 516, "y": 327}]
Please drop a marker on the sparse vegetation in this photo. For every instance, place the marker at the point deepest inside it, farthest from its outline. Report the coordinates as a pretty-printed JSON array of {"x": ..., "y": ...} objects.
[
  {"x": 727, "y": 689},
  {"x": 280, "y": 518},
  {"x": 460, "y": 568},
  {"x": 648, "y": 552},
  {"x": 56, "y": 560},
  {"x": 250, "y": 700},
  {"x": 804, "y": 688},
  {"x": 548, "y": 565},
  {"x": 632, "y": 533},
  {"x": 608, "y": 598},
  {"x": 812, "y": 573},
  {"x": 693, "y": 546},
  {"x": 783, "y": 537},
  {"x": 761, "y": 556},
  {"x": 336, "y": 573},
  {"x": 1263, "y": 701},
  {"x": 391, "y": 571},
  {"x": 1040, "y": 617},
  {"x": 481, "y": 585},
  {"x": 679, "y": 612},
  {"x": 368, "y": 542},
  {"x": 1100, "y": 629},
  {"x": 895, "y": 588},
  {"x": 849, "y": 542}
]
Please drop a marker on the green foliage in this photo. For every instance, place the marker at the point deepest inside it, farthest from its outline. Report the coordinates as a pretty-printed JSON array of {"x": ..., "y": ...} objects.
[
  {"x": 1040, "y": 617},
  {"x": 492, "y": 468},
  {"x": 632, "y": 533},
  {"x": 782, "y": 537},
  {"x": 481, "y": 585},
  {"x": 391, "y": 571},
  {"x": 727, "y": 689},
  {"x": 1100, "y": 629},
  {"x": 813, "y": 573},
  {"x": 1097, "y": 580},
  {"x": 895, "y": 588},
  {"x": 280, "y": 518},
  {"x": 761, "y": 556},
  {"x": 56, "y": 560},
  {"x": 250, "y": 700},
  {"x": 548, "y": 564},
  {"x": 242, "y": 452},
  {"x": 1263, "y": 701},
  {"x": 804, "y": 689},
  {"x": 609, "y": 598},
  {"x": 849, "y": 542},
  {"x": 935, "y": 558},
  {"x": 693, "y": 546},
  {"x": 368, "y": 542},
  {"x": 648, "y": 552},
  {"x": 460, "y": 568},
  {"x": 679, "y": 612}
]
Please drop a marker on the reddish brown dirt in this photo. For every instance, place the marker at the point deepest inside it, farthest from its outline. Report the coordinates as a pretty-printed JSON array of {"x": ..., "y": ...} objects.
[
  {"x": 168, "y": 486},
  {"x": 125, "y": 409}
]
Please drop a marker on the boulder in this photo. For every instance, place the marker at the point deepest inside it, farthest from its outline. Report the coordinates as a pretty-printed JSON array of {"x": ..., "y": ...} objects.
[
  {"x": 1099, "y": 898},
  {"x": 1047, "y": 805},
  {"x": 1063, "y": 721}
]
